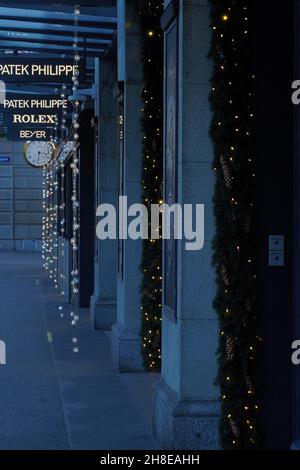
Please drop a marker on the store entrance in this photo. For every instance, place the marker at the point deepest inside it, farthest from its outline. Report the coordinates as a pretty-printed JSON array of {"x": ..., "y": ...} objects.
[
  {"x": 87, "y": 193},
  {"x": 275, "y": 219}
]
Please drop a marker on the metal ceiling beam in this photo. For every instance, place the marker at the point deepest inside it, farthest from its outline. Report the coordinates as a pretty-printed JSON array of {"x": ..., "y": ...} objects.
[
  {"x": 89, "y": 33},
  {"x": 50, "y": 17},
  {"x": 61, "y": 3},
  {"x": 33, "y": 54},
  {"x": 90, "y": 66},
  {"x": 17, "y": 46},
  {"x": 100, "y": 44},
  {"x": 45, "y": 45},
  {"x": 29, "y": 90}
]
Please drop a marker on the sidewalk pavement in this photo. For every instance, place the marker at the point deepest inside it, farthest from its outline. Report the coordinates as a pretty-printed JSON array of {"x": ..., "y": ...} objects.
[{"x": 52, "y": 398}]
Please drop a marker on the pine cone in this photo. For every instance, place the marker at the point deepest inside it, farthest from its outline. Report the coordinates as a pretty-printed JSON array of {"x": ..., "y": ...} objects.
[
  {"x": 224, "y": 275},
  {"x": 227, "y": 174},
  {"x": 230, "y": 346},
  {"x": 234, "y": 428}
]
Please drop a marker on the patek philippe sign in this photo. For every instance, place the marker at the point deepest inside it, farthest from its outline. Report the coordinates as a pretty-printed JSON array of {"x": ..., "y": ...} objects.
[
  {"x": 20, "y": 70},
  {"x": 17, "y": 103}
]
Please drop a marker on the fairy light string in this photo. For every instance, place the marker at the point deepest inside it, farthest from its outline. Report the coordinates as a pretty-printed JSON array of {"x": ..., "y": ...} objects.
[
  {"x": 62, "y": 206},
  {"x": 46, "y": 219},
  {"x": 62, "y": 219},
  {"x": 49, "y": 226},
  {"x": 232, "y": 127},
  {"x": 75, "y": 280},
  {"x": 152, "y": 178},
  {"x": 54, "y": 220}
]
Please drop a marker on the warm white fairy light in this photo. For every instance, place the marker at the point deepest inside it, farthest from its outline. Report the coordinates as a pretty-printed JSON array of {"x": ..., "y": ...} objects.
[
  {"x": 45, "y": 218},
  {"x": 51, "y": 243},
  {"x": 48, "y": 226},
  {"x": 55, "y": 166}
]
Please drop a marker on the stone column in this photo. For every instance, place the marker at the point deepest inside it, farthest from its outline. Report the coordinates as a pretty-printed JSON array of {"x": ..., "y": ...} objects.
[
  {"x": 186, "y": 400},
  {"x": 103, "y": 302},
  {"x": 126, "y": 342}
]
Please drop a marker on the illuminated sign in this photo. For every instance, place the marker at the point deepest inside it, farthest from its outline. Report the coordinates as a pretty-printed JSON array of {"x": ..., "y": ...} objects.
[
  {"x": 15, "y": 133},
  {"x": 19, "y": 69},
  {"x": 4, "y": 159},
  {"x": 33, "y": 117}
]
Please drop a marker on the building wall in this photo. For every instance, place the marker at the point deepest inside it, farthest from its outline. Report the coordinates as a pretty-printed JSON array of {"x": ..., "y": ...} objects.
[{"x": 20, "y": 201}]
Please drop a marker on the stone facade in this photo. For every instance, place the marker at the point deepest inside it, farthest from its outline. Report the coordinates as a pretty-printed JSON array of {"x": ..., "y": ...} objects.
[{"x": 20, "y": 201}]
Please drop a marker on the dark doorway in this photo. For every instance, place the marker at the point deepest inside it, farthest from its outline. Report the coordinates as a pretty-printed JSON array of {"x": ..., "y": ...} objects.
[
  {"x": 87, "y": 206},
  {"x": 273, "y": 54}
]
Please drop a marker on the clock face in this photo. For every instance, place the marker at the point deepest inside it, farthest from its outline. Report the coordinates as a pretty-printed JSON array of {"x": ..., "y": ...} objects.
[{"x": 39, "y": 153}]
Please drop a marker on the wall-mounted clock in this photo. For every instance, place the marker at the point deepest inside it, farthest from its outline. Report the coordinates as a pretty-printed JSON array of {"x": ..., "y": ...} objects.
[{"x": 39, "y": 153}]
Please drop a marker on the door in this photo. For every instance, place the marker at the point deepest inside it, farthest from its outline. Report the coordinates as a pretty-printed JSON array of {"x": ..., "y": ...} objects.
[{"x": 87, "y": 192}]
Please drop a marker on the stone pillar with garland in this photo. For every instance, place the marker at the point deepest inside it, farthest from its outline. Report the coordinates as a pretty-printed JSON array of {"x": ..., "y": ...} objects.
[
  {"x": 126, "y": 339},
  {"x": 103, "y": 301},
  {"x": 186, "y": 400}
]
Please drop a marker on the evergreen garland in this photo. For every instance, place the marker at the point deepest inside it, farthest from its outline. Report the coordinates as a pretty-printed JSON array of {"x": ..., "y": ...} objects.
[
  {"x": 152, "y": 177},
  {"x": 232, "y": 129}
]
